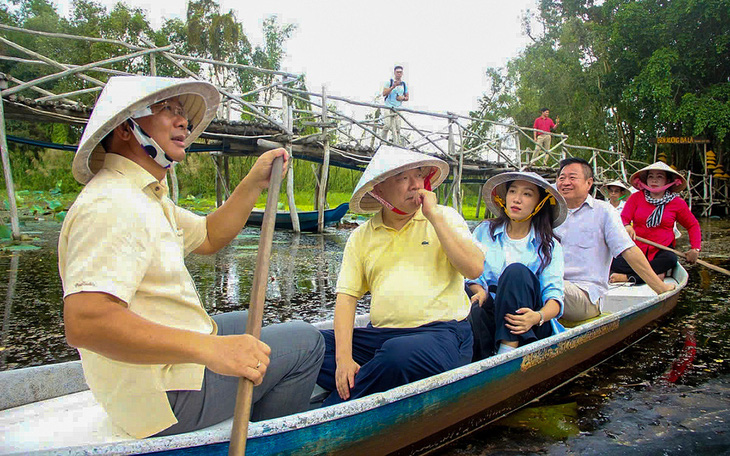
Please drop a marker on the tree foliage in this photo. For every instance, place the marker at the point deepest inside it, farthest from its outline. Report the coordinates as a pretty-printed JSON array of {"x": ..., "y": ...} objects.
[
  {"x": 621, "y": 72},
  {"x": 207, "y": 33}
]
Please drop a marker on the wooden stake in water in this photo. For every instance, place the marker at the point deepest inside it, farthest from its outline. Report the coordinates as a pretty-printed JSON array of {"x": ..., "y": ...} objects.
[{"x": 256, "y": 309}]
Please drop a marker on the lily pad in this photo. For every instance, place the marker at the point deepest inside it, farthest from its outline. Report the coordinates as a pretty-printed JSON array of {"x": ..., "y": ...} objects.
[
  {"x": 5, "y": 232},
  {"x": 19, "y": 247},
  {"x": 554, "y": 421},
  {"x": 246, "y": 247}
]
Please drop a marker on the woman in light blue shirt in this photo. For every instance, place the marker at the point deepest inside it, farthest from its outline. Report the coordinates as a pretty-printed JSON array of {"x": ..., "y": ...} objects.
[{"x": 519, "y": 297}]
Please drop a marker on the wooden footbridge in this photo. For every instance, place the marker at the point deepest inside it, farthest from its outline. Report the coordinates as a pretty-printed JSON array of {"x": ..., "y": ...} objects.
[{"x": 311, "y": 125}]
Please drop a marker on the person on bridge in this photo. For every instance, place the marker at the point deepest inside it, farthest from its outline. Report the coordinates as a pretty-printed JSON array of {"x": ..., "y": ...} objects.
[
  {"x": 542, "y": 127},
  {"x": 519, "y": 296},
  {"x": 651, "y": 213},
  {"x": 152, "y": 357},
  {"x": 412, "y": 257},
  {"x": 592, "y": 236},
  {"x": 395, "y": 92}
]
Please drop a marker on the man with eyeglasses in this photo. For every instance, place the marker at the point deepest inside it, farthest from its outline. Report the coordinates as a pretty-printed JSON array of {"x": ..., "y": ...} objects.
[
  {"x": 152, "y": 357},
  {"x": 591, "y": 237}
]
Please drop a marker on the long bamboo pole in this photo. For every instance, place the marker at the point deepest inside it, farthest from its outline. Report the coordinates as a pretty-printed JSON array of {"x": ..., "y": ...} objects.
[
  {"x": 9, "y": 186},
  {"x": 244, "y": 396},
  {"x": 322, "y": 194},
  {"x": 680, "y": 254},
  {"x": 79, "y": 69},
  {"x": 288, "y": 123}
]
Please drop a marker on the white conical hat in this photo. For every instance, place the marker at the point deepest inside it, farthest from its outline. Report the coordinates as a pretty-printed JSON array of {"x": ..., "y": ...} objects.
[
  {"x": 616, "y": 183},
  {"x": 124, "y": 95},
  {"x": 641, "y": 174},
  {"x": 497, "y": 186},
  {"x": 389, "y": 161}
]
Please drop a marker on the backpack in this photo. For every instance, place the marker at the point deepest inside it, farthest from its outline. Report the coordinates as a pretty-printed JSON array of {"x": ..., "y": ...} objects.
[{"x": 405, "y": 88}]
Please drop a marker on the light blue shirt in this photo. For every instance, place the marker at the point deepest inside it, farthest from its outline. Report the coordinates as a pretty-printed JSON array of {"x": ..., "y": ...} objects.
[
  {"x": 592, "y": 236},
  {"x": 391, "y": 99},
  {"x": 551, "y": 278}
]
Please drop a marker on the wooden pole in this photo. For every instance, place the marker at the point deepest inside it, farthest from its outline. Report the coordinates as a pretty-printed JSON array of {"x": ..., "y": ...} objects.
[
  {"x": 218, "y": 182},
  {"x": 244, "y": 397},
  {"x": 680, "y": 254},
  {"x": 479, "y": 202},
  {"x": 9, "y": 186},
  {"x": 322, "y": 194},
  {"x": 288, "y": 123}
]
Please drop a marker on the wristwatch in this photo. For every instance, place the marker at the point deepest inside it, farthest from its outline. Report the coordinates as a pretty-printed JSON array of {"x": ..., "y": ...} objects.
[{"x": 542, "y": 318}]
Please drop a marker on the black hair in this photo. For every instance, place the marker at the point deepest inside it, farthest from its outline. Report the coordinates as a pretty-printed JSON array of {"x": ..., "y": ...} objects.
[
  {"x": 544, "y": 109},
  {"x": 106, "y": 141},
  {"x": 397, "y": 67},
  {"x": 587, "y": 170},
  {"x": 543, "y": 224}
]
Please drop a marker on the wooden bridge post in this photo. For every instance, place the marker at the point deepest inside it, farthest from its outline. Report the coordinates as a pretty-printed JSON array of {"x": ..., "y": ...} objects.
[
  {"x": 218, "y": 181},
  {"x": 689, "y": 188},
  {"x": 456, "y": 202},
  {"x": 324, "y": 174},
  {"x": 287, "y": 117},
  {"x": 479, "y": 202},
  {"x": 9, "y": 186}
]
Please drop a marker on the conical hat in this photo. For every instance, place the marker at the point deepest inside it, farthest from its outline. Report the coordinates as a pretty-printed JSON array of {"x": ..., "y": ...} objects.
[
  {"x": 616, "y": 183},
  {"x": 497, "y": 186},
  {"x": 124, "y": 95},
  {"x": 389, "y": 161},
  {"x": 641, "y": 174}
]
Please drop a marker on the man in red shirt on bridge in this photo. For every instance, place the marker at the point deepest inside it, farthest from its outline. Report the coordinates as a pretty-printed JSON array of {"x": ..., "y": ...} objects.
[{"x": 543, "y": 126}]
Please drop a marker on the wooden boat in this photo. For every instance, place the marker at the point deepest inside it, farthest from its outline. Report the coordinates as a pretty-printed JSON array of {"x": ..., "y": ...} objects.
[
  {"x": 307, "y": 219},
  {"x": 46, "y": 409}
]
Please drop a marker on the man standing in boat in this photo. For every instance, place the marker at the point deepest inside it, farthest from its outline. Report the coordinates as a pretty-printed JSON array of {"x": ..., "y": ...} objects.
[
  {"x": 412, "y": 257},
  {"x": 152, "y": 356},
  {"x": 592, "y": 236},
  {"x": 395, "y": 93}
]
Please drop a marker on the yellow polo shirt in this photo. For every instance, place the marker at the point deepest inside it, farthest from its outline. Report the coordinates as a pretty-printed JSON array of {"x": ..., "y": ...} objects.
[
  {"x": 407, "y": 272},
  {"x": 125, "y": 237}
]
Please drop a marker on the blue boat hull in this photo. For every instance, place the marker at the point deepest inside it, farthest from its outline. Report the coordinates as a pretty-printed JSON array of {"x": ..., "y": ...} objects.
[{"x": 423, "y": 422}]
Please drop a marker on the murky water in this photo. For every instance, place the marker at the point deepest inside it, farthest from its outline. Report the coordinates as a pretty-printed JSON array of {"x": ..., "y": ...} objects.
[{"x": 626, "y": 405}]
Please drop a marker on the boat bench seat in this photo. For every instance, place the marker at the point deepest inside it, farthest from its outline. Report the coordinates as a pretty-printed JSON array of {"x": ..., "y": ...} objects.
[{"x": 573, "y": 324}]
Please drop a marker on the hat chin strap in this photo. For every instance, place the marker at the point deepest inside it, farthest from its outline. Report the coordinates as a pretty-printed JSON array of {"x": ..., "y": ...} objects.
[
  {"x": 539, "y": 206},
  {"x": 150, "y": 146},
  {"x": 643, "y": 186},
  {"x": 387, "y": 205}
]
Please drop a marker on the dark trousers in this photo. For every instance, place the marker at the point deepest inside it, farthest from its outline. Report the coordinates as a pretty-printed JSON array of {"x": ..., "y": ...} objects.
[
  {"x": 517, "y": 287},
  {"x": 662, "y": 262},
  {"x": 391, "y": 357},
  {"x": 296, "y": 355}
]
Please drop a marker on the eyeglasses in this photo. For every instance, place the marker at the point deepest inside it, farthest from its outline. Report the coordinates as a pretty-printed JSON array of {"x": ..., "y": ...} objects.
[{"x": 174, "y": 109}]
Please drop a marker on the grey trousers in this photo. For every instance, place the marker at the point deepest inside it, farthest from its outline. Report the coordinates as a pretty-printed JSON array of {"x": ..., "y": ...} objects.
[{"x": 297, "y": 351}]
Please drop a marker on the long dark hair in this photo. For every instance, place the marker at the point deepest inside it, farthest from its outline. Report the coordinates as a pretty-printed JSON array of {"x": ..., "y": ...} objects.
[{"x": 543, "y": 224}]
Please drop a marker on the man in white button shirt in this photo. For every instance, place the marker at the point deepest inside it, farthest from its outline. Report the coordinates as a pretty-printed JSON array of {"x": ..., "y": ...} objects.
[{"x": 591, "y": 237}]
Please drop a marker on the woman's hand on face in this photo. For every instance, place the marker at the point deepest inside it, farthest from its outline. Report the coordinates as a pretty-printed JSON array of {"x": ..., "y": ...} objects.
[
  {"x": 523, "y": 321},
  {"x": 632, "y": 233}
]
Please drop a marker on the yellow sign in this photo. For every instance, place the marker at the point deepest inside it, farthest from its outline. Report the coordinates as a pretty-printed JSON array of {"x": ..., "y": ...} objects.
[{"x": 681, "y": 140}]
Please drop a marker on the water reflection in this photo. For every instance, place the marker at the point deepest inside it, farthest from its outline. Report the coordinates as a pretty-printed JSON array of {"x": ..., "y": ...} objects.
[{"x": 12, "y": 279}]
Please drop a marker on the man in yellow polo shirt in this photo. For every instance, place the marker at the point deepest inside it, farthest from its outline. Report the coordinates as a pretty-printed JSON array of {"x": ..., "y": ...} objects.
[
  {"x": 152, "y": 356},
  {"x": 412, "y": 256}
]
